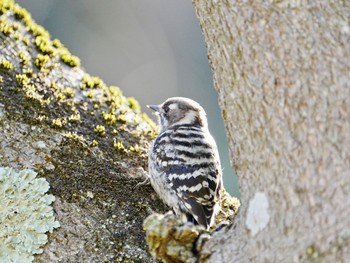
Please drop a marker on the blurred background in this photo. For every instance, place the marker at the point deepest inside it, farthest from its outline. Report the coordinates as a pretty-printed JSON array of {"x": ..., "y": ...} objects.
[{"x": 151, "y": 49}]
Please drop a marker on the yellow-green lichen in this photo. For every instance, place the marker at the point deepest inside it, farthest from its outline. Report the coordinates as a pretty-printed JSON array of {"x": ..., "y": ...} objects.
[
  {"x": 5, "y": 64},
  {"x": 25, "y": 215}
]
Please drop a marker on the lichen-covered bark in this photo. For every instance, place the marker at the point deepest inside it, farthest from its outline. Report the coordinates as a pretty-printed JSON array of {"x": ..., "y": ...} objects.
[
  {"x": 85, "y": 138},
  {"x": 281, "y": 69}
]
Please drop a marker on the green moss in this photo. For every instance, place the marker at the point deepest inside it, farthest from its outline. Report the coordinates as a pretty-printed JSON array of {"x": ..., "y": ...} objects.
[
  {"x": 312, "y": 252},
  {"x": 42, "y": 61},
  {"x": 100, "y": 130},
  {"x": 122, "y": 119},
  {"x": 109, "y": 118},
  {"x": 25, "y": 41},
  {"x": 65, "y": 55},
  {"x": 21, "y": 13},
  {"x": 74, "y": 136},
  {"x": 44, "y": 45},
  {"x": 90, "y": 94},
  {"x": 5, "y": 28},
  {"x": 5, "y": 64},
  {"x": 57, "y": 43},
  {"x": 54, "y": 99},
  {"x": 61, "y": 97},
  {"x": 29, "y": 72},
  {"x": 74, "y": 117},
  {"x": 115, "y": 91},
  {"x": 134, "y": 104},
  {"x": 38, "y": 30},
  {"x": 91, "y": 82},
  {"x": 70, "y": 59},
  {"x": 69, "y": 92},
  {"x": 58, "y": 123},
  {"x": 22, "y": 79},
  {"x": 137, "y": 149},
  {"x": 119, "y": 146},
  {"x": 16, "y": 36},
  {"x": 41, "y": 118},
  {"x": 94, "y": 143},
  {"x": 24, "y": 57}
]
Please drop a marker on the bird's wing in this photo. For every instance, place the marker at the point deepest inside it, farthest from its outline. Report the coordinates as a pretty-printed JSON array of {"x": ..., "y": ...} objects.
[
  {"x": 198, "y": 194},
  {"x": 194, "y": 172}
]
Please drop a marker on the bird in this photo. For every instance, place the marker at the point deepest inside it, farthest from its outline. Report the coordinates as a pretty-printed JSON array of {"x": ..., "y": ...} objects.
[{"x": 184, "y": 163}]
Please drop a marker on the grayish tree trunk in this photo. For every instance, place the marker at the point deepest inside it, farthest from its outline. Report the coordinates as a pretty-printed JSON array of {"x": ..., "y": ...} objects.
[{"x": 282, "y": 71}]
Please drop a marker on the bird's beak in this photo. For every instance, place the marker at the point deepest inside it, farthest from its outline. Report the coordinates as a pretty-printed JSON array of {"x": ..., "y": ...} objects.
[{"x": 156, "y": 108}]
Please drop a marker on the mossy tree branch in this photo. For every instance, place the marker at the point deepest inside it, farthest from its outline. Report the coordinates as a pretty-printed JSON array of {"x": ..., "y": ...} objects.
[{"x": 87, "y": 139}]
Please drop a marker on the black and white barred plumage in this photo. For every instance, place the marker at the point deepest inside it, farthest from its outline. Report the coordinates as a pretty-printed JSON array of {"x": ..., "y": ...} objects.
[{"x": 184, "y": 163}]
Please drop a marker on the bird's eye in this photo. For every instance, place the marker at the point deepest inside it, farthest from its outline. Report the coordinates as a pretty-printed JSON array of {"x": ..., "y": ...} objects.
[{"x": 166, "y": 109}]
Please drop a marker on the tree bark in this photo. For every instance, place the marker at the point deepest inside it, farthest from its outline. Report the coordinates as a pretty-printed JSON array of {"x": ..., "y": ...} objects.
[
  {"x": 281, "y": 69},
  {"x": 86, "y": 139}
]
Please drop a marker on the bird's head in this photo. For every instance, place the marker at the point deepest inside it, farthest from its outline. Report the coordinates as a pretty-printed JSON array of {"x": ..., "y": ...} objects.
[{"x": 179, "y": 111}]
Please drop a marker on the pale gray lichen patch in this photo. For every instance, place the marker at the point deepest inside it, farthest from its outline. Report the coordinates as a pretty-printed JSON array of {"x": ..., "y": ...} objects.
[
  {"x": 258, "y": 215},
  {"x": 25, "y": 215}
]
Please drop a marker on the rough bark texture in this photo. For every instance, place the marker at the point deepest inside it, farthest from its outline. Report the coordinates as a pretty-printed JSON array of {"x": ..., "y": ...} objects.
[
  {"x": 282, "y": 71},
  {"x": 86, "y": 139}
]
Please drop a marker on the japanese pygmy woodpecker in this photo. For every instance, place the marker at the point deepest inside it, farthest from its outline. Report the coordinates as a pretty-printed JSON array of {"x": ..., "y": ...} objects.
[{"x": 184, "y": 164}]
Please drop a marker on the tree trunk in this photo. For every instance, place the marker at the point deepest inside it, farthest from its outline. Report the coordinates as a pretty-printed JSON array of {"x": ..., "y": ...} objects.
[
  {"x": 86, "y": 139},
  {"x": 282, "y": 71}
]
